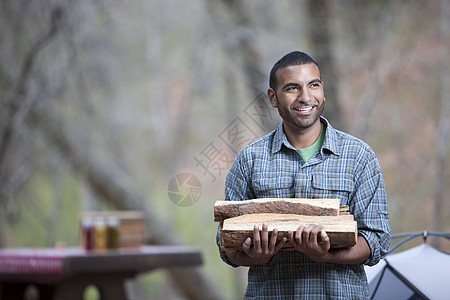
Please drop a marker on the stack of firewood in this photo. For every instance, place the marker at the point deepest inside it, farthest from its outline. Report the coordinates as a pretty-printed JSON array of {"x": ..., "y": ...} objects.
[{"x": 237, "y": 219}]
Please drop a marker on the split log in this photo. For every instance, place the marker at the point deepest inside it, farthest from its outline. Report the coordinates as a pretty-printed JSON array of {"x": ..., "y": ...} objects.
[
  {"x": 310, "y": 207},
  {"x": 344, "y": 210},
  {"x": 342, "y": 230}
]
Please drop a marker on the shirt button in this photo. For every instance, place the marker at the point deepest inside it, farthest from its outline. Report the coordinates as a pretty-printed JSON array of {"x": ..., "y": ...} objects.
[{"x": 299, "y": 268}]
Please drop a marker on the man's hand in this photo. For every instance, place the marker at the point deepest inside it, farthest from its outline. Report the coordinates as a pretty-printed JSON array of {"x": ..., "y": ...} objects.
[
  {"x": 258, "y": 250},
  {"x": 263, "y": 248},
  {"x": 306, "y": 240}
]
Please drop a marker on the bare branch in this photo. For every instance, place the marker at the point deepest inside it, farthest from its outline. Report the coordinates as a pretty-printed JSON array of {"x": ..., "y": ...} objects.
[{"x": 19, "y": 103}]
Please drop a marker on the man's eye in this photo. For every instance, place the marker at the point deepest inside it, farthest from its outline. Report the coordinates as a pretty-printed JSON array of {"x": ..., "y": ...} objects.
[
  {"x": 292, "y": 89},
  {"x": 316, "y": 85}
]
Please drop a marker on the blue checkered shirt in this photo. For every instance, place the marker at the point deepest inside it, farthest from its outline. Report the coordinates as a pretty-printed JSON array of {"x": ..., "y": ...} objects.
[{"x": 344, "y": 168}]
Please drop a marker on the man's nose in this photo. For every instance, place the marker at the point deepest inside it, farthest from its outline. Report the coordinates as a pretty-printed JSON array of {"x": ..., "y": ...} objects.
[{"x": 304, "y": 96}]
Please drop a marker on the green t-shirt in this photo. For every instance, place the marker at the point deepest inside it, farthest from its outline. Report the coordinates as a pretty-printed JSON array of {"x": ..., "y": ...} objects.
[{"x": 308, "y": 152}]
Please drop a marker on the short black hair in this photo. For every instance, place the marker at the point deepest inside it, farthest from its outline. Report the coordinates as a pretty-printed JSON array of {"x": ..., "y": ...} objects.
[{"x": 294, "y": 58}]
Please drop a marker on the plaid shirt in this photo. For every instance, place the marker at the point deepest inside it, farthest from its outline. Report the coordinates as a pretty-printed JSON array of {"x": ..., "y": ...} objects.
[{"x": 344, "y": 168}]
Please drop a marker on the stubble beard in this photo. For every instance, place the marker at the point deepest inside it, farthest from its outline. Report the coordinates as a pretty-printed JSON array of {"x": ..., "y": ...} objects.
[{"x": 301, "y": 123}]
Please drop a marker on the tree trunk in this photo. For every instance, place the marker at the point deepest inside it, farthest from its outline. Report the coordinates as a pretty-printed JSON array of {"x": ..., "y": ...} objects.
[
  {"x": 322, "y": 52},
  {"x": 443, "y": 126},
  {"x": 245, "y": 56},
  {"x": 370, "y": 95}
]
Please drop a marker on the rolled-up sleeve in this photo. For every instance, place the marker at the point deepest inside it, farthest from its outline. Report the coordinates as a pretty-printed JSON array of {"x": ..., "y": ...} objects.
[{"x": 369, "y": 207}]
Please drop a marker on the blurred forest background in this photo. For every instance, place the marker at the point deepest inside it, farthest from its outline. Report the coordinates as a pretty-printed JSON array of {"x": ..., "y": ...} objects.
[{"x": 104, "y": 102}]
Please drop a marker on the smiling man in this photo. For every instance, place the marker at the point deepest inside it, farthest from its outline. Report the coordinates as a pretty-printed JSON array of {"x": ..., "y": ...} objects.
[{"x": 305, "y": 157}]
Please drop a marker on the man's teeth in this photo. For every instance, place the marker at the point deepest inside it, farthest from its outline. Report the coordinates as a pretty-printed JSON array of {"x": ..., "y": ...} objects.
[{"x": 304, "y": 109}]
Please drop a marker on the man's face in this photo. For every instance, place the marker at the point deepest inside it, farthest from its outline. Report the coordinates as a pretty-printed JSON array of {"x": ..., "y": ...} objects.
[{"x": 299, "y": 95}]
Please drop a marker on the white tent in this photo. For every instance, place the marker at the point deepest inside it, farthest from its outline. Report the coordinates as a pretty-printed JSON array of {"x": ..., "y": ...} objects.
[{"x": 422, "y": 272}]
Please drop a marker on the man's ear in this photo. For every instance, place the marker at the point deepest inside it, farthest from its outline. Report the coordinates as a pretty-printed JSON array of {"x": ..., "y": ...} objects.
[{"x": 272, "y": 97}]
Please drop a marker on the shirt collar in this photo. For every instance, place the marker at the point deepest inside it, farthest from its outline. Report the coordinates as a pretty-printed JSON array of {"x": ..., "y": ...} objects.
[
  {"x": 279, "y": 139},
  {"x": 330, "y": 143}
]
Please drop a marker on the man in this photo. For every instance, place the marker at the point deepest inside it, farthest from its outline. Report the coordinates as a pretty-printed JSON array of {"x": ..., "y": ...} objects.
[{"x": 307, "y": 158}]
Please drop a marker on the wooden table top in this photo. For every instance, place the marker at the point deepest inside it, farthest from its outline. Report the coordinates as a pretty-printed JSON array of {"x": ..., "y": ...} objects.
[{"x": 23, "y": 262}]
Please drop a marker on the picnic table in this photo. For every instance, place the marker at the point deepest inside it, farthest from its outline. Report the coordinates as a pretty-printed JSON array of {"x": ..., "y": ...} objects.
[{"x": 64, "y": 273}]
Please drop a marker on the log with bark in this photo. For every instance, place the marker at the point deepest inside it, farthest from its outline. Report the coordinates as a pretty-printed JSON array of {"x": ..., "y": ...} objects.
[
  {"x": 342, "y": 230},
  {"x": 310, "y": 207}
]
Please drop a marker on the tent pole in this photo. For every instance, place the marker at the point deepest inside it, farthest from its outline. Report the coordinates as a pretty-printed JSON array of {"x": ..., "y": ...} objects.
[
  {"x": 378, "y": 284},
  {"x": 411, "y": 235},
  {"x": 406, "y": 282}
]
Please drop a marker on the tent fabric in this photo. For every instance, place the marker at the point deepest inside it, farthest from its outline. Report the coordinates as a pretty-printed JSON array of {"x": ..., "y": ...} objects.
[{"x": 418, "y": 273}]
